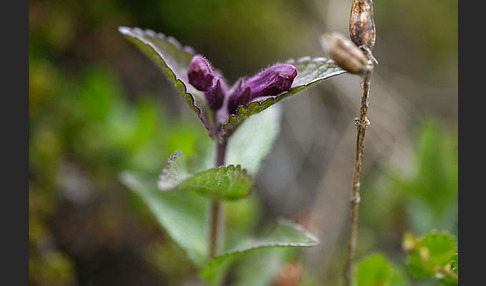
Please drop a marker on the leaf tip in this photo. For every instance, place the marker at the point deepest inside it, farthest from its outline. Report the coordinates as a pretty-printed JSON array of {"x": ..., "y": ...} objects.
[
  {"x": 161, "y": 183},
  {"x": 310, "y": 236},
  {"x": 124, "y": 177},
  {"x": 123, "y": 29}
]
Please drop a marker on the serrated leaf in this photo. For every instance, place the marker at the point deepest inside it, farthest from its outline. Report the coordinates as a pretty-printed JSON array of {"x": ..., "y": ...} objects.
[
  {"x": 285, "y": 234},
  {"x": 434, "y": 251},
  {"x": 373, "y": 270},
  {"x": 182, "y": 214},
  {"x": 455, "y": 264},
  {"x": 442, "y": 247},
  {"x": 225, "y": 182},
  {"x": 174, "y": 60},
  {"x": 309, "y": 72}
]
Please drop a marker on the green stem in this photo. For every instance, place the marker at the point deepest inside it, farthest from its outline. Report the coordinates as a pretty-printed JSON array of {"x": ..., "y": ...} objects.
[
  {"x": 448, "y": 273},
  {"x": 216, "y": 208}
]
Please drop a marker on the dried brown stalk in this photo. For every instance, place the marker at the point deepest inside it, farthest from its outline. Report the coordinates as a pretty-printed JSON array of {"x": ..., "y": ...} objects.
[
  {"x": 362, "y": 32},
  {"x": 361, "y": 123}
]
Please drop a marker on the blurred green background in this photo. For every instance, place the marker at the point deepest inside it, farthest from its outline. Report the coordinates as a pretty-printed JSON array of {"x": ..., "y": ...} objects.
[{"x": 98, "y": 106}]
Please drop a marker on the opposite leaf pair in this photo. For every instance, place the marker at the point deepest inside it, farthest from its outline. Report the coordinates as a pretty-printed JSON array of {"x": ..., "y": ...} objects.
[{"x": 223, "y": 109}]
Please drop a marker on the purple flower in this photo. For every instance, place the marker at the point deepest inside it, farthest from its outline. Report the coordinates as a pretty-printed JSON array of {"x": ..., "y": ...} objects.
[
  {"x": 203, "y": 78},
  {"x": 270, "y": 82}
]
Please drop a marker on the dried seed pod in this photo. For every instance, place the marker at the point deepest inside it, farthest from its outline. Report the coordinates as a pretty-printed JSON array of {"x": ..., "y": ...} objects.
[
  {"x": 344, "y": 53},
  {"x": 362, "y": 24}
]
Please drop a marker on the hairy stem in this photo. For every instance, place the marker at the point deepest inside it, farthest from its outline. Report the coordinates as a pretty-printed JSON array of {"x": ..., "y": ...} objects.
[
  {"x": 361, "y": 123},
  {"x": 216, "y": 208}
]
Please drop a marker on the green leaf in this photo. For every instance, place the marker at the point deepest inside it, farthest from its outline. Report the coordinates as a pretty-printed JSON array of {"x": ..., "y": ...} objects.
[
  {"x": 225, "y": 182},
  {"x": 373, "y": 270},
  {"x": 309, "y": 72},
  {"x": 285, "y": 234},
  {"x": 455, "y": 264},
  {"x": 432, "y": 252},
  {"x": 252, "y": 142},
  {"x": 174, "y": 173},
  {"x": 229, "y": 183},
  {"x": 429, "y": 194},
  {"x": 262, "y": 267},
  {"x": 247, "y": 147},
  {"x": 182, "y": 214},
  {"x": 398, "y": 278},
  {"x": 174, "y": 60}
]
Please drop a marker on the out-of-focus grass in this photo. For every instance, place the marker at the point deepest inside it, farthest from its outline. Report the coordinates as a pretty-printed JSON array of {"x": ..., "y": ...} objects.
[
  {"x": 419, "y": 201},
  {"x": 82, "y": 134}
]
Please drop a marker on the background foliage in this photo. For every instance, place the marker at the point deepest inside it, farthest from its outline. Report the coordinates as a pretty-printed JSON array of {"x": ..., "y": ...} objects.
[{"x": 97, "y": 106}]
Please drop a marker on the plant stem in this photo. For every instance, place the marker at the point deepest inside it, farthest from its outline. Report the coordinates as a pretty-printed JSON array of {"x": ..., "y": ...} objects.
[
  {"x": 216, "y": 210},
  {"x": 448, "y": 273},
  {"x": 361, "y": 124}
]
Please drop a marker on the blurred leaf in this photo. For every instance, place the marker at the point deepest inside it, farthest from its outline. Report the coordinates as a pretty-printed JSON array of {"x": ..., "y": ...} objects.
[
  {"x": 225, "y": 182},
  {"x": 182, "y": 214},
  {"x": 398, "y": 278},
  {"x": 241, "y": 218},
  {"x": 309, "y": 72},
  {"x": 260, "y": 268},
  {"x": 252, "y": 142},
  {"x": 376, "y": 270},
  {"x": 147, "y": 119},
  {"x": 174, "y": 60},
  {"x": 174, "y": 173},
  {"x": 433, "y": 251},
  {"x": 285, "y": 234},
  {"x": 248, "y": 146},
  {"x": 373, "y": 270},
  {"x": 185, "y": 139},
  {"x": 98, "y": 93},
  {"x": 430, "y": 193},
  {"x": 455, "y": 264}
]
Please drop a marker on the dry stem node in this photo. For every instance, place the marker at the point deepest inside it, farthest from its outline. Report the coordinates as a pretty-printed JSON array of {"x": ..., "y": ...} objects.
[
  {"x": 355, "y": 199},
  {"x": 363, "y": 124}
]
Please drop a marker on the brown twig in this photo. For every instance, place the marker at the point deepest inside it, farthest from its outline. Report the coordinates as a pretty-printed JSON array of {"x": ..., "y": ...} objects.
[
  {"x": 361, "y": 123},
  {"x": 216, "y": 210}
]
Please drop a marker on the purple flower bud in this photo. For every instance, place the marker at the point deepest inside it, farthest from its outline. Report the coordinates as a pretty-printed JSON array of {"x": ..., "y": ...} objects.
[
  {"x": 215, "y": 94},
  {"x": 240, "y": 96},
  {"x": 203, "y": 78},
  {"x": 271, "y": 81},
  {"x": 200, "y": 73}
]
